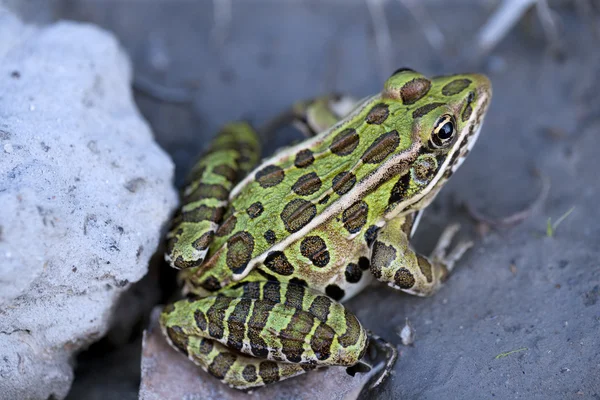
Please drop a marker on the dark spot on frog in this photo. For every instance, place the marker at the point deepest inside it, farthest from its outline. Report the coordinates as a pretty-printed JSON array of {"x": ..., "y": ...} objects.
[
  {"x": 4, "y": 135},
  {"x": 122, "y": 283},
  {"x": 15, "y": 74},
  {"x": 134, "y": 184},
  {"x": 45, "y": 147},
  {"x": 139, "y": 251},
  {"x": 74, "y": 269},
  {"x": 562, "y": 264},
  {"x": 335, "y": 292}
]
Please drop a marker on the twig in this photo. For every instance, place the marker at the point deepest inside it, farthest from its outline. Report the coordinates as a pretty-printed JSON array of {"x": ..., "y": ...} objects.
[
  {"x": 162, "y": 93},
  {"x": 383, "y": 39},
  {"x": 432, "y": 32},
  {"x": 222, "y": 16},
  {"x": 500, "y": 23}
]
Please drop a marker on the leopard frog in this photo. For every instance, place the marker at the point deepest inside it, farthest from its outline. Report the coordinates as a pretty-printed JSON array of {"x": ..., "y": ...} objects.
[{"x": 269, "y": 250}]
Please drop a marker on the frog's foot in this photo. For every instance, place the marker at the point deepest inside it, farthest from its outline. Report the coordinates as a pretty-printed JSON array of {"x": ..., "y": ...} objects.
[
  {"x": 391, "y": 356},
  {"x": 394, "y": 262},
  {"x": 446, "y": 258}
]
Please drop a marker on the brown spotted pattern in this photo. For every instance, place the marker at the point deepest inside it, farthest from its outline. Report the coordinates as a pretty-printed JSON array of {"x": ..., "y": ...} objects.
[
  {"x": 378, "y": 114},
  {"x": 414, "y": 90},
  {"x": 239, "y": 251},
  {"x": 297, "y": 214},
  {"x": 277, "y": 262},
  {"x": 426, "y": 109},
  {"x": 404, "y": 279},
  {"x": 255, "y": 210},
  {"x": 455, "y": 87},
  {"x": 355, "y": 216},
  {"x": 345, "y": 142},
  {"x": 304, "y": 158},
  {"x": 269, "y": 176},
  {"x": 382, "y": 147},
  {"x": 307, "y": 184},
  {"x": 314, "y": 248},
  {"x": 343, "y": 182}
]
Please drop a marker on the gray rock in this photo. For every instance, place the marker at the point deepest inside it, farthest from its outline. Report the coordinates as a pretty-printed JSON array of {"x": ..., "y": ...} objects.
[{"x": 84, "y": 191}]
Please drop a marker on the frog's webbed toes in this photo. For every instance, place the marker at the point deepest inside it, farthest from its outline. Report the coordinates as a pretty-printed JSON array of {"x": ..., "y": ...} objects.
[{"x": 442, "y": 255}]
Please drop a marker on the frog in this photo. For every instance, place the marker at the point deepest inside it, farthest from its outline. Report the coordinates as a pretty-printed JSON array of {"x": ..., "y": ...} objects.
[{"x": 268, "y": 251}]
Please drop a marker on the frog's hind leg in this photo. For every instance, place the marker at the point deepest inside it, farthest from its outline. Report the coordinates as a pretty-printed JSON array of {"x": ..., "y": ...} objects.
[
  {"x": 231, "y": 367},
  {"x": 285, "y": 325},
  {"x": 230, "y": 156},
  {"x": 313, "y": 116},
  {"x": 394, "y": 262}
]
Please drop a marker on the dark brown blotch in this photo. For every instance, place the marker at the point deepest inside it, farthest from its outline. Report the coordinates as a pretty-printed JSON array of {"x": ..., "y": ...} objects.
[
  {"x": 343, "y": 182},
  {"x": 315, "y": 249},
  {"x": 293, "y": 336},
  {"x": 400, "y": 189},
  {"x": 404, "y": 279},
  {"x": 270, "y": 236},
  {"x": 255, "y": 210},
  {"x": 297, "y": 214},
  {"x": 227, "y": 226},
  {"x": 206, "y": 346},
  {"x": 382, "y": 147},
  {"x": 239, "y": 251},
  {"x": 203, "y": 241},
  {"x": 200, "y": 319},
  {"x": 378, "y": 114},
  {"x": 304, "y": 158},
  {"x": 277, "y": 262},
  {"x": 371, "y": 234},
  {"x": 455, "y": 87},
  {"x": 353, "y": 330},
  {"x": 269, "y": 176},
  {"x": 426, "y": 109},
  {"x": 335, "y": 292},
  {"x": 249, "y": 373},
  {"x": 355, "y": 216},
  {"x": 236, "y": 324},
  {"x": 211, "y": 284},
  {"x": 178, "y": 338},
  {"x": 294, "y": 296},
  {"x": 225, "y": 171},
  {"x": 268, "y": 371},
  {"x": 207, "y": 191},
  {"x": 321, "y": 341},
  {"x": 203, "y": 213},
  {"x": 320, "y": 307},
  {"x": 216, "y": 315},
  {"x": 307, "y": 184},
  {"x": 221, "y": 364},
  {"x": 353, "y": 273},
  {"x": 345, "y": 142},
  {"x": 364, "y": 263},
  {"x": 414, "y": 90}
]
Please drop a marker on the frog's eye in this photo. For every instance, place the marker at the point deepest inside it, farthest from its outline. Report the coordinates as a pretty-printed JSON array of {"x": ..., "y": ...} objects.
[{"x": 443, "y": 132}]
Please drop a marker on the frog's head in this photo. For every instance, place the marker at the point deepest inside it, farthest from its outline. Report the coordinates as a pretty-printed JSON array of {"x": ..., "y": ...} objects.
[{"x": 446, "y": 114}]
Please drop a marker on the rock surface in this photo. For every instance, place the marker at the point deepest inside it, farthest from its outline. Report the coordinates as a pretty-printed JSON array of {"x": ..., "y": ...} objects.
[{"x": 85, "y": 192}]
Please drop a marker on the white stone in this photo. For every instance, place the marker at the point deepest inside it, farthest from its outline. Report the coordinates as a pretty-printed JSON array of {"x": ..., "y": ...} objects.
[{"x": 84, "y": 194}]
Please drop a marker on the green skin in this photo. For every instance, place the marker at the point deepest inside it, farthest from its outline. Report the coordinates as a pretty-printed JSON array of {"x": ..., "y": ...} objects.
[{"x": 269, "y": 254}]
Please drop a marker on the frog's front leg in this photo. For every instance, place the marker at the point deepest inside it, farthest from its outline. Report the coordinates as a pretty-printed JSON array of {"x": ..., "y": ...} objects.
[
  {"x": 256, "y": 333},
  {"x": 394, "y": 262}
]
